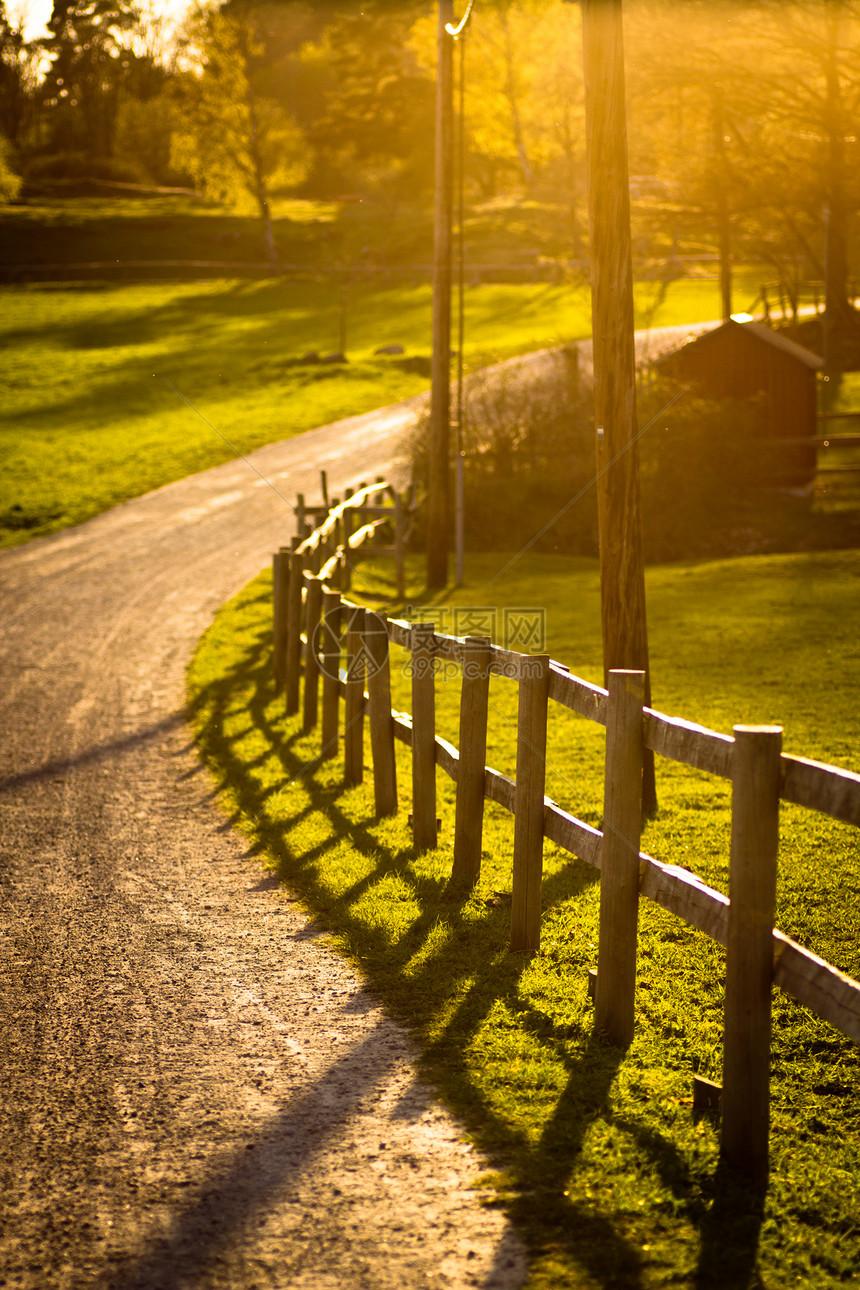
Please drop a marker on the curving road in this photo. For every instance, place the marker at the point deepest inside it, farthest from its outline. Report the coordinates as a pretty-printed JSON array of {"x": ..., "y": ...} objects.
[{"x": 196, "y": 1093}]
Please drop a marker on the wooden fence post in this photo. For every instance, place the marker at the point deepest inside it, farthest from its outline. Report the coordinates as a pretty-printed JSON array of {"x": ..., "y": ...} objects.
[
  {"x": 528, "y": 802},
  {"x": 313, "y": 605},
  {"x": 280, "y": 597},
  {"x": 749, "y": 949},
  {"x": 336, "y": 539},
  {"x": 474, "y": 701},
  {"x": 400, "y": 545},
  {"x": 619, "y": 858},
  {"x": 353, "y": 716},
  {"x": 331, "y": 540},
  {"x": 379, "y": 714},
  {"x": 423, "y": 737},
  {"x": 346, "y": 533},
  {"x": 294, "y": 631},
  {"x": 331, "y": 608}
]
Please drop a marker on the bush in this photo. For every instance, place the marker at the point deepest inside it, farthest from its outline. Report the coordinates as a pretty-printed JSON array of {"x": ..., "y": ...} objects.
[
  {"x": 10, "y": 183},
  {"x": 144, "y": 131},
  {"x": 528, "y": 438},
  {"x": 528, "y": 452},
  {"x": 80, "y": 165},
  {"x": 702, "y": 472}
]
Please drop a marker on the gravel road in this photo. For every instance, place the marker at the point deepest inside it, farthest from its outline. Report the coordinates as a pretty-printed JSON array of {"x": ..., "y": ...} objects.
[{"x": 196, "y": 1092}]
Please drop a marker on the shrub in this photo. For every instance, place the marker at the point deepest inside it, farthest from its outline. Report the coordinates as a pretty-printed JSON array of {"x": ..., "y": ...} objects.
[
  {"x": 528, "y": 438},
  {"x": 144, "y": 131},
  {"x": 10, "y": 183},
  {"x": 80, "y": 165},
  {"x": 702, "y": 472},
  {"x": 528, "y": 452}
]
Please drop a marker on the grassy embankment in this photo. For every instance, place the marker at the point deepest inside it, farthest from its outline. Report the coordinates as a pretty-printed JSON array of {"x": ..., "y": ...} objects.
[
  {"x": 88, "y": 419},
  {"x": 595, "y": 1152}
]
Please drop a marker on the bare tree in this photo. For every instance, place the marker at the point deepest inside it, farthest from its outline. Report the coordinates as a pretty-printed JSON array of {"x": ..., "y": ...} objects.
[{"x": 236, "y": 142}]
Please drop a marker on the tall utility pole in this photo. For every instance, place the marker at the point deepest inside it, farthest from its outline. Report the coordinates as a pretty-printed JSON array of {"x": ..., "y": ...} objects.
[
  {"x": 440, "y": 389},
  {"x": 622, "y": 573}
]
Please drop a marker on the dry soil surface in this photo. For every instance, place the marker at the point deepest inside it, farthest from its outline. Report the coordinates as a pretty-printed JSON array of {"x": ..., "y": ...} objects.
[{"x": 196, "y": 1091}]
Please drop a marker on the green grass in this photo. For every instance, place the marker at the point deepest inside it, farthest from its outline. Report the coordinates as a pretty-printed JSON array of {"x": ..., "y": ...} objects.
[
  {"x": 63, "y": 230},
  {"x": 112, "y": 390},
  {"x": 595, "y": 1152}
]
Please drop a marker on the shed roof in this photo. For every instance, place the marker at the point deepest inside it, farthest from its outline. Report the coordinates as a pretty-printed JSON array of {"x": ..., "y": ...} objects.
[{"x": 759, "y": 332}]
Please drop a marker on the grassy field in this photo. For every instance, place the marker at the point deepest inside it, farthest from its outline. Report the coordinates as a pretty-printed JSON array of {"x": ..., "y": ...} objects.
[
  {"x": 120, "y": 225},
  {"x": 595, "y": 1152},
  {"x": 111, "y": 390}
]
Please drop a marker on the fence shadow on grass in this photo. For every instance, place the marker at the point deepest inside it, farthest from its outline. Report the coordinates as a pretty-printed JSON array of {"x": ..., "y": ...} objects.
[
  {"x": 730, "y": 1231},
  {"x": 445, "y": 993}
]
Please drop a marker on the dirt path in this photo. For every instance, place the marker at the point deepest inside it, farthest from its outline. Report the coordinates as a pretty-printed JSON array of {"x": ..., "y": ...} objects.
[{"x": 196, "y": 1093}]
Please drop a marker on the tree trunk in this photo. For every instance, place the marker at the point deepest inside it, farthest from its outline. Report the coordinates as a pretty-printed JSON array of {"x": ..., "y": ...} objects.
[
  {"x": 511, "y": 94},
  {"x": 261, "y": 191},
  {"x": 724, "y": 231}
]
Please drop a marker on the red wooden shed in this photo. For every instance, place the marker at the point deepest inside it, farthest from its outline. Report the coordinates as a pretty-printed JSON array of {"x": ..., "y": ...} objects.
[{"x": 742, "y": 360}]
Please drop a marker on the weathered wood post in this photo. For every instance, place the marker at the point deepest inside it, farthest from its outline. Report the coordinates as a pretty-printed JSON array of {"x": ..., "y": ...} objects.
[
  {"x": 331, "y": 608},
  {"x": 332, "y": 541},
  {"x": 423, "y": 737},
  {"x": 528, "y": 802},
  {"x": 622, "y": 570},
  {"x": 619, "y": 858},
  {"x": 749, "y": 948},
  {"x": 379, "y": 714},
  {"x": 280, "y": 598},
  {"x": 313, "y": 605},
  {"x": 335, "y": 537},
  {"x": 345, "y": 535},
  {"x": 400, "y": 545},
  {"x": 440, "y": 376},
  {"x": 294, "y": 631},
  {"x": 474, "y": 702},
  {"x": 353, "y": 715}
]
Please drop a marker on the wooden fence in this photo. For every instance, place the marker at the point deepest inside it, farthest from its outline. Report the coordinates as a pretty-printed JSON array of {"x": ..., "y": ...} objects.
[
  {"x": 310, "y": 618},
  {"x": 319, "y": 559}
]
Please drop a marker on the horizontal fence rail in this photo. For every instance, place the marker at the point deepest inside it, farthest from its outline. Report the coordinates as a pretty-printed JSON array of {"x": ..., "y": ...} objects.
[{"x": 310, "y": 617}]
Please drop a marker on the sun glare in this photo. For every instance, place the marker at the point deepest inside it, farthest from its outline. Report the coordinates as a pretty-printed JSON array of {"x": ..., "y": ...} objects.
[{"x": 33, "y": 15}]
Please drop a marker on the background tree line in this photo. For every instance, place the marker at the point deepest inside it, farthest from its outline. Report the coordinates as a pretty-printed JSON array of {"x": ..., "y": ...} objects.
[{"x": 743, "y": 116}]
